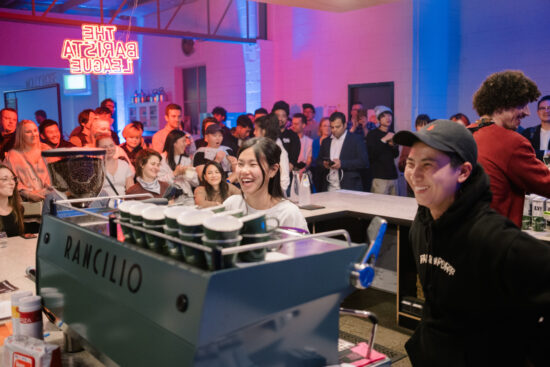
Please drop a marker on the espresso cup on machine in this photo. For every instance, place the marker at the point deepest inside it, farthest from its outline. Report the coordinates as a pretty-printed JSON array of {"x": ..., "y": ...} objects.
[
  {"x": 222, "y": 230},
  {"x": 190, "y": 230},
  {"x": 153, "y": 220},
  {"x": 256, "y": 229},
  {"x": 124, "y": 211},
  {"x": 136, "y": 219}
]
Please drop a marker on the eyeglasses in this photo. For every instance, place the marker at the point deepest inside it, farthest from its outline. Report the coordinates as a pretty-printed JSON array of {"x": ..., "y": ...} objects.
[
  {"x": 6, "y": 179},
  {"x": 547, "y": 108}
]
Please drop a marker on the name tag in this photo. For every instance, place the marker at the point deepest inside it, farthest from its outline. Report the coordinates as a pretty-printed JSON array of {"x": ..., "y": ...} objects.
[{"x": 286, "y": 140}]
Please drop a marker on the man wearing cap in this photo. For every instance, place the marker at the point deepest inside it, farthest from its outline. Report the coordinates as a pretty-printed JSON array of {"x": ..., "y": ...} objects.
[
  {"x": 382, "y": 153},
  {"x": 486, "y": 283},
  {"x": 507, "y": 157}
]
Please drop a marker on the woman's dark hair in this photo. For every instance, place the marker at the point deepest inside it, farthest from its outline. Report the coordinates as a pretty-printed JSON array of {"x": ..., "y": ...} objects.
[
  {"x": 421, "y": 120},
  {"x": 224, "y": 187},
  {"x": 504, "y": 90},
  {"x": 268, "y": 150},
  {"x": 142, "y": 157},
  {"x": 171, "y": 139},
  {"x": 270, "y": 124},
  {"x": 15, "y": 202},
  {"x": 84, "y": 116}
]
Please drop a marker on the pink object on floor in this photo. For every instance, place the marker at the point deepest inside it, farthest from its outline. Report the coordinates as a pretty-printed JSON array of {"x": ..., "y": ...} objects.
[{"x": 361, "y": 349}]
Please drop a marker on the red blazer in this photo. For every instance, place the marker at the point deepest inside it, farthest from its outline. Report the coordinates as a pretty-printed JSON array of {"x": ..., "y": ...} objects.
[{"x": 513, "y": 169}]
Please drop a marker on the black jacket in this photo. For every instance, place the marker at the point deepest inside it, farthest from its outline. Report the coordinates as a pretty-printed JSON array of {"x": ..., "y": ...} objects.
[
  {"x": 533, "y": 135},
  {"x": 353, "y": 159},
  {"x": 486, "y": 284}
]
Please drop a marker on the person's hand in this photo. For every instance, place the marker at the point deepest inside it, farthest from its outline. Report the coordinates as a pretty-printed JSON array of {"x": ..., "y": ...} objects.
[
  {"x": 326, "y": 164},
  {"x": 337, "y": 164},
  {"x": 188, "y": 140},
  {"x": 354, "y": 125},
  {"x": 387, "y": 137},
  {"x": 34, "y": 196},
  {"x": 220, "y": 155},
  {"x": 232, "y": 160},
  {"x": 180, "y": 170}
]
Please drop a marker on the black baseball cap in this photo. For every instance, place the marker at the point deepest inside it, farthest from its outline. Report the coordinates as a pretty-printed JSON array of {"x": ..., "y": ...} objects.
[{"x": 444, "y": 135}]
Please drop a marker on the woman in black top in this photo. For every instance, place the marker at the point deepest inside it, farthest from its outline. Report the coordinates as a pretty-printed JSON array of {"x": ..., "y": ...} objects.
[{"x": 11, "y": 211}]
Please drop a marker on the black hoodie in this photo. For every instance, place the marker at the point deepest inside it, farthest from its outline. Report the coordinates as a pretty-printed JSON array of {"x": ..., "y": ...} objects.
[{"x": 486, "y": 283}]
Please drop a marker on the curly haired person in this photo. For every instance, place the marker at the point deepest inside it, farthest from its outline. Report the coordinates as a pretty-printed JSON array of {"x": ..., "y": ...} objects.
[{"x": 508, "y": 157}]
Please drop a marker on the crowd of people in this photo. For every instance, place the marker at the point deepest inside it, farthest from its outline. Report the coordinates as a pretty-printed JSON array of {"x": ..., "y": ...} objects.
[
  {"x": 470, "y": 182},
  {"x": 354, "y": 152}
]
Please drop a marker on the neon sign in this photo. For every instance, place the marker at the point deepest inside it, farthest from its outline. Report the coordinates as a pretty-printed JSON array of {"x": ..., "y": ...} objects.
[{"x": 99, "y": 53}]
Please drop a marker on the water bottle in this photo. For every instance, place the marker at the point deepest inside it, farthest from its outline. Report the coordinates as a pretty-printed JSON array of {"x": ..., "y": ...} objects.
[
  {"x": 295, "y": 187},
  {"x": 305, "y": 190}
]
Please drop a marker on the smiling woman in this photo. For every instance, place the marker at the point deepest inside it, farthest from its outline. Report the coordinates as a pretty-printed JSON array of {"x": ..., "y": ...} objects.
[
  {"x": 11, "y": 215},
  {"x": 259, "y": 177},
  {"x": 26, "y": 161}
]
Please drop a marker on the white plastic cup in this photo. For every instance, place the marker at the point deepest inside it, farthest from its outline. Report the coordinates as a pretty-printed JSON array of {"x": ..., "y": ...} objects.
[
  {"x": 15, "y": 302},
  {"x": 30, "y": 321}
]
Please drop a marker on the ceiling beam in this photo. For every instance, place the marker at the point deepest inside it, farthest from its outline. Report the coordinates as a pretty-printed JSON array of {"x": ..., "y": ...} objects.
[
  {"x": 67, "y": 5},
  {"x": 27, "y": 18}
]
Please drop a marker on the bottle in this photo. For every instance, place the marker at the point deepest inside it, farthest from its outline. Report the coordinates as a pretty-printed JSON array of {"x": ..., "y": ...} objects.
[
  {"x": 295, "y": 187},
  {"x": 305, "y": 190},
  {"x": 136, "y": 98},
  {"x": 15, "y": 302},
  {"x": 142, "y": 96},
  {"x": 30, "y": 322}
]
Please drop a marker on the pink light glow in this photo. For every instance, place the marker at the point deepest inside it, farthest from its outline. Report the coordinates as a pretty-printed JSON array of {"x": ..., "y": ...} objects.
[{"x": 99, "y": 53}]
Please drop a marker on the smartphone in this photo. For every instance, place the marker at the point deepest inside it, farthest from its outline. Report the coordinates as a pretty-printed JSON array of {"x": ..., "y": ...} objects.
[{"x": 330, "y": 163}]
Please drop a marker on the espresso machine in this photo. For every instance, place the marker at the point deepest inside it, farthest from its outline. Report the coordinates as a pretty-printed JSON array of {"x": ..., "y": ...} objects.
[{"x": 136, "y": 307}]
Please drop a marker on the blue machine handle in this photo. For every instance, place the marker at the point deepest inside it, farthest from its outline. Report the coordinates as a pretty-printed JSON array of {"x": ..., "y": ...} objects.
[{"x": 363, "y": 273}]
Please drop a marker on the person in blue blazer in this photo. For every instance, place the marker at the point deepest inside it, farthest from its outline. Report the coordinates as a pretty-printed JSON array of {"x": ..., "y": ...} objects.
[{"x": 343, "y": 156}]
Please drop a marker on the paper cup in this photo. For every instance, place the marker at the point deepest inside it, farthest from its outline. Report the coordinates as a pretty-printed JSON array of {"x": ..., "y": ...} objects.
[
  {"x": 191, "y": 255},
  {"x": 191, "y": 222},
  {"x": 172, "y": 248},
  {"x": 136, "y": 219},
  {"x": 153, "y": 216},
  {"x": 124, "y": 209},
  {"x": 228, "y": 261},
  {"x": 154, "y": 243},
  {"x": 171, "y": 214},
  {"x": 222, "y": 227}
]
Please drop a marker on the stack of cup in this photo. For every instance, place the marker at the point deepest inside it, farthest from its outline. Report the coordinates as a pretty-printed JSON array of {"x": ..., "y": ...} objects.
[
  {"x": 222, "y": 230},
  {"x": 255, "y": 230},
  {"x": 153, "y": 220},
  {"x": 124, "y": 210},
  {"x": 136, "y": 219},
  {"x": 171, "y": 228},
  {"x": 15, "y": 312},
  {"x": 191, "y": 230}
]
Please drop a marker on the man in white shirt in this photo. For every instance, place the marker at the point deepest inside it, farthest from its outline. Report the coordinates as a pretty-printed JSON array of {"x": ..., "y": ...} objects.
[
  {"x": 172, "y": 116},
  {"x": 539, "y": 135},
  {"x": 343, "y": 156}
]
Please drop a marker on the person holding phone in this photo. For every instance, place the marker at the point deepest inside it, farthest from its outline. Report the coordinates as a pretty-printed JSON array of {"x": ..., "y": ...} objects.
[{"x": 343, "y": 157}]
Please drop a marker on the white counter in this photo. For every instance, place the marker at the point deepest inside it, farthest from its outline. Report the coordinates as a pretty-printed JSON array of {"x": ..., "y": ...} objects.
[
  {"x": 396, "y": 209},
  {"x": 14, "y": 260}
]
